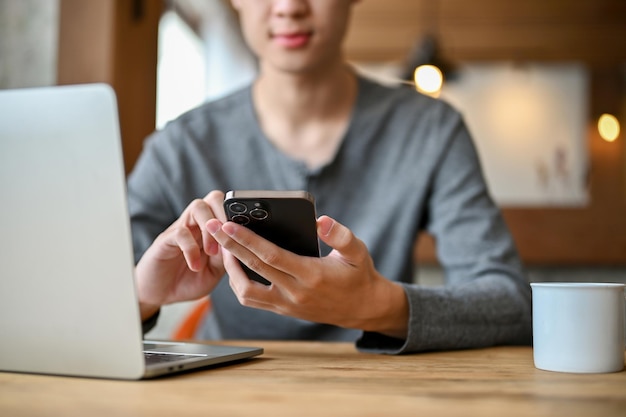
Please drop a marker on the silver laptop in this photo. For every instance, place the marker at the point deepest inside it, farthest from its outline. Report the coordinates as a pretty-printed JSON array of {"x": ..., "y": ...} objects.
[{"x": 67, "y": 294}]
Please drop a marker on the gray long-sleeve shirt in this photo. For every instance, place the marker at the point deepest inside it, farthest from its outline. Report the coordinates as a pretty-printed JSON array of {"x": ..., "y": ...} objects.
[{"x": 407, "y": 163}]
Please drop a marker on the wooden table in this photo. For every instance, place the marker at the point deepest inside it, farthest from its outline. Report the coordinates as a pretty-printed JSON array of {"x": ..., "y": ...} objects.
[{"x": 332, "y": 379}]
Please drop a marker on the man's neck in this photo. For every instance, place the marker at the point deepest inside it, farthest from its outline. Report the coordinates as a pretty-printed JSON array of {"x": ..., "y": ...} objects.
[{"x": 306, "y": 117}]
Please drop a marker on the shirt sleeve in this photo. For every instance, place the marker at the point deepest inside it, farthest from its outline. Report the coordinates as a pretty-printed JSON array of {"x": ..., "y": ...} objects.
[
  {"x": 148, "y": 185},
  {"x": 486, "y": 297},
  {"x": 151, "y": 322}
]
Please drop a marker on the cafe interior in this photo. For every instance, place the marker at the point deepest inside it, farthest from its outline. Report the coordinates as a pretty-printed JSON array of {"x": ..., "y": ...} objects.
[{"x": 541, "y": 84}]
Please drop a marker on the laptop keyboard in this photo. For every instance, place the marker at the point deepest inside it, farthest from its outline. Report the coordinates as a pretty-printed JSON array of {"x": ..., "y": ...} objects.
[{"x": 154, "y": 357}]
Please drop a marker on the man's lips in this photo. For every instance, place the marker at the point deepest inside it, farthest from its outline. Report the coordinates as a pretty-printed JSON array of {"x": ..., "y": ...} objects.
[{"x": 292, "y": 40}]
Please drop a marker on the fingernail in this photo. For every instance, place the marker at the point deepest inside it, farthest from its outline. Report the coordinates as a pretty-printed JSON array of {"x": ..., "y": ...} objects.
[
  {"x": 326, "y": 227},
  {"x": 229, "y": 228}
]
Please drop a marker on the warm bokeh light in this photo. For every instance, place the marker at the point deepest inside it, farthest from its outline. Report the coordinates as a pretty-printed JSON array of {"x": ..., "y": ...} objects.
[
  {"x": 428, "y": 79},
  {"x": 608, "y": 126}
]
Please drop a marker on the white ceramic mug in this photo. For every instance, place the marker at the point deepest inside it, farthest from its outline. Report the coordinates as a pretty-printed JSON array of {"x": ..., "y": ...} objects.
[{"x": 578, "y": 327}]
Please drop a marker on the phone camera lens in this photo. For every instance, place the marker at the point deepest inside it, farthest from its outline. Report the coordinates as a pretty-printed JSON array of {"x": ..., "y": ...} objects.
[
  {"x": 238, "y": 208},
  {"x": 259, "y": 214},
  {"x": 240, "y": 219}
]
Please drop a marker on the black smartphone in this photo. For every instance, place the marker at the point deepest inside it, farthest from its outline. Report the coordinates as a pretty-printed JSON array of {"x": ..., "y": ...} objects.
[{"x": 286, "y": 218}]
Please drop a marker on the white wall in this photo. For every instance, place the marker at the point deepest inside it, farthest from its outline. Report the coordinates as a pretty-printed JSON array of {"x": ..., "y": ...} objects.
[{"x": 28, "y": 42}]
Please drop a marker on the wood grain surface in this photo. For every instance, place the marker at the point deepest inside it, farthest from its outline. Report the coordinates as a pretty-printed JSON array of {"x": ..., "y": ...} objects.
[{"x": 313, "y": 379}]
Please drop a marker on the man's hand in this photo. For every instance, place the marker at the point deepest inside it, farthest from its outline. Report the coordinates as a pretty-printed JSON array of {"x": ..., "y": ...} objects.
[
  {"x": 184, "y": 262},
  {"x": 343, "y": 288}
]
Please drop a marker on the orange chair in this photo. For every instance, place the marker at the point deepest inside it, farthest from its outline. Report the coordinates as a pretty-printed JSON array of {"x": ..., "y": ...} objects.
[{"x": 188, "y": 327}]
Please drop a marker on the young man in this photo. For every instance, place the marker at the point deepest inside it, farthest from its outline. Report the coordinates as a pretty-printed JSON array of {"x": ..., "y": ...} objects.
[{"x": 382, "y": 163}]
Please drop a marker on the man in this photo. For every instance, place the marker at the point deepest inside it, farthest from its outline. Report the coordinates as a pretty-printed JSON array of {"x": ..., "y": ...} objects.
[{"x": 382, "y": 163}]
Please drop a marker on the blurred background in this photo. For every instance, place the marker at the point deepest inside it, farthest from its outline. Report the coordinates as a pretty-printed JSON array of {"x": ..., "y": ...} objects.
[{"x": 541, "y": 84}]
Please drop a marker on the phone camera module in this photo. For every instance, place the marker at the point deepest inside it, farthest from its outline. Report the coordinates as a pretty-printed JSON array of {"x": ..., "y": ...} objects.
[
  {"x": 259, "y": 214},
  {"x": 238, "y": 208},
  {"x": 240, "y": 219}
]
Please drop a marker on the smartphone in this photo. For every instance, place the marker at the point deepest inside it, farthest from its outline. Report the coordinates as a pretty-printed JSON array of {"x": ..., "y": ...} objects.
[{"x": 285, "y": 218}]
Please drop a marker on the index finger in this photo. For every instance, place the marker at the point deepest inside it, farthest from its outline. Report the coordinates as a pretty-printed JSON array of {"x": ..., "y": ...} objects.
[
  {"x": 196, "y": 216},
  {"x": 215, "y": 200},
  {"x": 257, "y": 253}
]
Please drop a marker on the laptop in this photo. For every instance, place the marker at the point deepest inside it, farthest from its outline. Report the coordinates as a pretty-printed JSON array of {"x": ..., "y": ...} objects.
[{"x": 68, "y": 302}]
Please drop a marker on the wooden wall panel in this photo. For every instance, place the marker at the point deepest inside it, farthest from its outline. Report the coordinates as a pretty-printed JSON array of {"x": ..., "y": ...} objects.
[
  {"x": 135, "y": 71},
  {"x": 588, "y": 30},
  {"x": 85, "y": 41},
  {"x": 385, "y": 30},
  {"x": 114, "y": 42}
]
